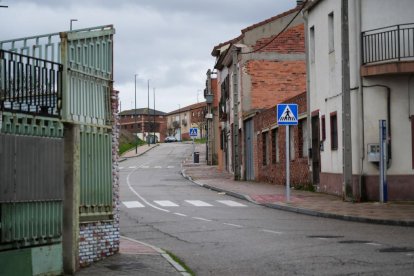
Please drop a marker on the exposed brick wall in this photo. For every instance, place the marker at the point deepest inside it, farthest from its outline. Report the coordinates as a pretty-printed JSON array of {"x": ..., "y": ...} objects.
[
  {"x": 143, "y": 124},
  {"x": 100, "y": 239},
  {"x": 273, "y": 82},
  {"x": 291, "y": 41},
  {"x": 276, "y": 172}
]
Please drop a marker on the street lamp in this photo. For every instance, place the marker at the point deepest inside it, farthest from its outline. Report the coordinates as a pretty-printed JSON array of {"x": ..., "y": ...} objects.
[
  {"x": 72, "y": 20},
  {"x": 149, "y": 140},
  {"x": 179, "y": 119},
  {"x": 135, "y": 116}
]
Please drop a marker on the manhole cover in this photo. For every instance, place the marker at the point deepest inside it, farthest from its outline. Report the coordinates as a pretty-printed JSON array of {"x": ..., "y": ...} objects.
[
  {"x": 325, "y": 237},
  {"x": 354, "y": 241},
  {"x": 397, "y": 250}
]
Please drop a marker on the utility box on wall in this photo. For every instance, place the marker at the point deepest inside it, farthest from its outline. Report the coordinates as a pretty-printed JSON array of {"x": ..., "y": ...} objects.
[{"x": 373, "y": 152}]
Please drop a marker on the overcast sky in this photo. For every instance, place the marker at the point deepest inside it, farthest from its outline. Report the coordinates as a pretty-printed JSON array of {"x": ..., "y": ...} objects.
[{"x": 166, "y": 41}]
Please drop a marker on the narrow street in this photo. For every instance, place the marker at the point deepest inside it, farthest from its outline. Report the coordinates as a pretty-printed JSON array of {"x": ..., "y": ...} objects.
[{"x": 215, "y": 234}]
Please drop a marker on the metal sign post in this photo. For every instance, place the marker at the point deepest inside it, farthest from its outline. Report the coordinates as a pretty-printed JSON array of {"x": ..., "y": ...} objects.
[
  {"x": 383, "y": 161},
  {"x": 287, "y": 114},
  {"x": 193, "y": 134}
]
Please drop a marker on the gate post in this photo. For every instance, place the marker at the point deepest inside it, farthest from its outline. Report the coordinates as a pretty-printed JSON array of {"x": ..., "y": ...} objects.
[{"x": 70, "y": 235}]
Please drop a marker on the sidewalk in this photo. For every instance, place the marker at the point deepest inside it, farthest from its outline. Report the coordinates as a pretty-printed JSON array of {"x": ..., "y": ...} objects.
[
  {"x": 139, "y": 151},
  {"x": 135, "y": 258},
  {"x": 304, "y": 202}
]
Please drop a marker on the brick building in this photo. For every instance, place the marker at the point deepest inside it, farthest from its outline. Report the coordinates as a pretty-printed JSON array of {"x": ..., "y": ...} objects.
[
  {"x": 270, "y": 146},
  {"x": 147, "y": 123},
  {"x": 181, "y": 120},
  {"x": 269, "y": 67}
]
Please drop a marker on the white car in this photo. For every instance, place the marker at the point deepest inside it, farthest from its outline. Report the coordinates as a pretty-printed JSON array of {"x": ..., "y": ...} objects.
[{"x": 169, "y": 139}]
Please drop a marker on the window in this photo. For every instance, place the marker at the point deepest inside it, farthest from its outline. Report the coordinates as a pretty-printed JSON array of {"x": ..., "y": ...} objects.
[
  {"x": 323, "y": 128},
  {"x": 334, "y": 131},
  {"x": 312, "y": 44},
  {"x": 265, "y": 148},
  {"x": 275, "y": 147},
  {"x": 291, "y": 143},
  {"x": 303, "y": 138},
  {"x": 331, "y": 35}
]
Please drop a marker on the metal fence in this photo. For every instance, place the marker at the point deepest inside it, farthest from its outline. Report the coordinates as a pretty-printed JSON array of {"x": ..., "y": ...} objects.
[
  {"x": 393, "y": 43},
  {"x": 30, "y": 85}
]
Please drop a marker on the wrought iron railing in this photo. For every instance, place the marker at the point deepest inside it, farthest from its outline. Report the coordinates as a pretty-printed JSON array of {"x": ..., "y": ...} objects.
[
  {"x": 30, "y": 85},
  {"x": 393, "y": 43}
]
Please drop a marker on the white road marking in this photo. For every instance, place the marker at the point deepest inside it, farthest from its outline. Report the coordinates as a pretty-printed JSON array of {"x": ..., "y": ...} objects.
[
  {"x": 231, "y": 224},
  {"x": 165, "y": 203},
  {"x": 157, "y": 167},
  {"x": 170, "y": 167},
  {"x": 198, "y": 203},
  {"x": 231, "y": 203},
  {"x": 373, "y": 243},
  {"x": 179, "y": 214},
  {"x": 132, "y": 167},
  {"x": 203, "y": 219},
  {"x": 271, "y": 231},
  {"x": 132, "y": 204},
  {"x": 139, "y": 196},
  {"x": 144, "y": 167},
  {"x": 121, "y": 168}
]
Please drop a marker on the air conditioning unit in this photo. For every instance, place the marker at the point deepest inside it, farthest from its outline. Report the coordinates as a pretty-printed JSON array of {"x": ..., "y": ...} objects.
[{"x": 209, "y": 116}]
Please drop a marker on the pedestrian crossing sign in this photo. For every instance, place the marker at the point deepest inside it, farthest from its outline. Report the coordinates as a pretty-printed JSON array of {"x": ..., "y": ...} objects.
[
  {"x": 287, "y": 114},
  {"x": 193, "y": 132}
]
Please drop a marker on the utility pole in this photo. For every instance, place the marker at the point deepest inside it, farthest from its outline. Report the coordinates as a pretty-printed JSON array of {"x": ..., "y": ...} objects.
[
  {"x": 179, "y": 119},
  {"x": 347, "y": 188},
  {"x": 154, "y": 117},
  {"x": 235, "y": 115},
  {"x": 149, "y": 141},
  {"x": 135, "y": 117}
]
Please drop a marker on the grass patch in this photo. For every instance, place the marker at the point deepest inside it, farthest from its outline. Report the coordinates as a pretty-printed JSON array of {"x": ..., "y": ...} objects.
[
  {"x": 124, "y": 147},
  {"x": 200, "y": 141},
  {"x": 181, "y": 262}
]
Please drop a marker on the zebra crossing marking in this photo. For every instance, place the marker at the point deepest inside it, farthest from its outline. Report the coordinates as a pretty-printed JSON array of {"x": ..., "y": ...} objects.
[
  {"x": 170, "y": 167},
  {"x": 133, "y": 204},
  {"x": 165, "y": 203},
  {"x": 132, "y": 167},
  {"x": 231, "y": 203},
  {"x": 198, "y": 203}
]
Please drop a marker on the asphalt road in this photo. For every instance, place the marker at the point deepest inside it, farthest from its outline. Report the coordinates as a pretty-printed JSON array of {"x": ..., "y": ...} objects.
[{"x": 216, "y": 234}]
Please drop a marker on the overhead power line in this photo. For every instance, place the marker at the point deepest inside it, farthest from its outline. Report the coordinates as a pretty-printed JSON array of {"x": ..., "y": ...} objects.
[{"x": 284, "y": 29}]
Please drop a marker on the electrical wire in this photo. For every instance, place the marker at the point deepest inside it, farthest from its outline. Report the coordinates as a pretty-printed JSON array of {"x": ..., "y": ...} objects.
[{"x": 284, "y": 29}]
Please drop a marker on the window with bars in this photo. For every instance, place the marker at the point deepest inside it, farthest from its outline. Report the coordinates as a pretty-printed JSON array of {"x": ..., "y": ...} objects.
[{"x": 275, "y": 146}]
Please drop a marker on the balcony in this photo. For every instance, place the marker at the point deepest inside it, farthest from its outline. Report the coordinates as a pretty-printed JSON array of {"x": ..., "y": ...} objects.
[{"x": 388, "y": 50}]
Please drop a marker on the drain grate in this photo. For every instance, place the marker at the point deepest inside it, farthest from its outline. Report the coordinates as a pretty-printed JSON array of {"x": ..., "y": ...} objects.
[
  {"x": 354, "y": 242},
  {"x": 397, "y": 250},
  {"x": 325, "y": 237}
]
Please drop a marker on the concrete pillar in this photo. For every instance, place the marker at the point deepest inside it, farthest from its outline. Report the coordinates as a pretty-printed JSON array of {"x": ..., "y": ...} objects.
[{"x": 71, "y": 200}]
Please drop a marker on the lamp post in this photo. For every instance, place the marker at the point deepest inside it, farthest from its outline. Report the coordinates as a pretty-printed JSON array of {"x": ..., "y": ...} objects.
[
  {"x": 155, "y": 141},
  {"x": 72, "y": 20},
  {"x": 135, "y": 117},
  {"x": 149, "y": 141},
  {"x": 179, "y": 119}
]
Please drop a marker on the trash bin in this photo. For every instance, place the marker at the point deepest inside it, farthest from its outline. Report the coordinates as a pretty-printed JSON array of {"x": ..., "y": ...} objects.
[{"x": 196, "y": 157}]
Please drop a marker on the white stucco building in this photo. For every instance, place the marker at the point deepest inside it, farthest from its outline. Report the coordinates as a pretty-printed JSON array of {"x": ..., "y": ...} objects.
[{"x": 381, "y": 81}]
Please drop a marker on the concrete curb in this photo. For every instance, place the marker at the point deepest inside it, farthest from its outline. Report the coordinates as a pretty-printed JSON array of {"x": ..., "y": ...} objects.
[
  {"x": 121, "y": 159},
  {"x": 164, "y": 254},
  {"x": 304, "y": 211}
]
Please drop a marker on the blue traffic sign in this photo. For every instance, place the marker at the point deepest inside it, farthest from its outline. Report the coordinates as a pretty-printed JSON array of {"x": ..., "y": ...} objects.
[
  {"x": 193, "y": 132},
  {"x": 287, "y": 114}
]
